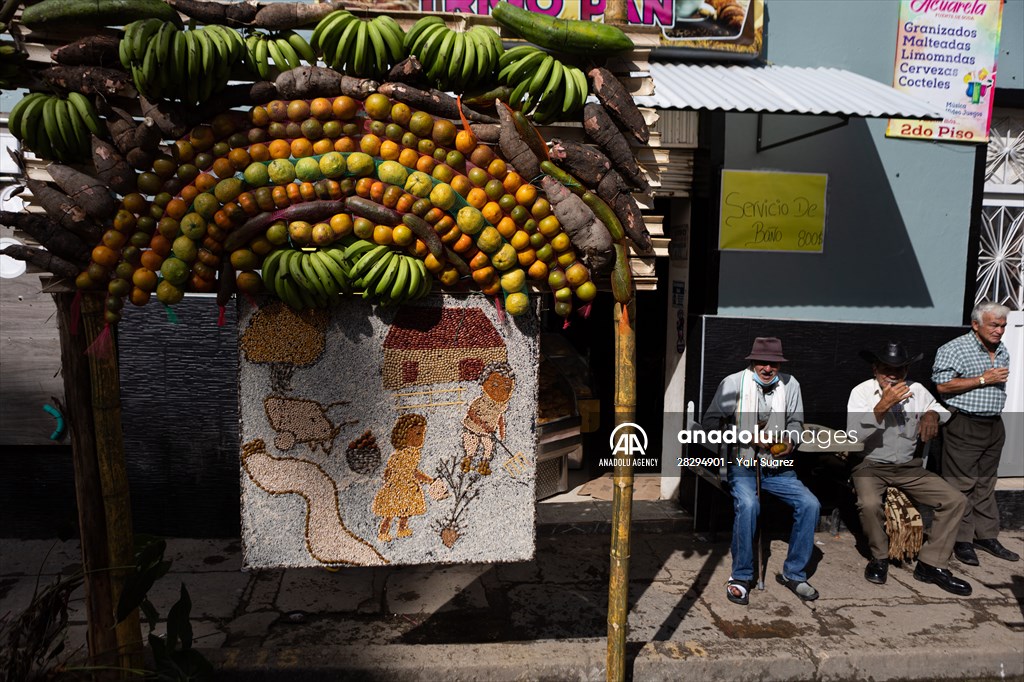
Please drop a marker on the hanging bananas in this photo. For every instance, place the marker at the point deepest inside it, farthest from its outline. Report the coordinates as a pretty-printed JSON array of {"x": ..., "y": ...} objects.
[
  {"x": 55, "y": 128},
  {"x": 167, "y": 62},
  {"x": 361, "y": 48},
  {"x": 453, "y": 60},
  {"x": 542, "y": 86},
  {"x": 286, "y": 50},
  {"x": 11, "y": 65},
  {"x": 314, "y": 279}
]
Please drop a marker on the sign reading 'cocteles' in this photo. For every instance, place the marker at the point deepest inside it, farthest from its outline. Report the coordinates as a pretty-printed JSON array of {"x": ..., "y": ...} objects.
[{"x": 772, "y": 211}]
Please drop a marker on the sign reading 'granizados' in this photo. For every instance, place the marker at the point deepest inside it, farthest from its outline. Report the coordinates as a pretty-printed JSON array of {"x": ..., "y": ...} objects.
[{"x": 946, "y": 54}]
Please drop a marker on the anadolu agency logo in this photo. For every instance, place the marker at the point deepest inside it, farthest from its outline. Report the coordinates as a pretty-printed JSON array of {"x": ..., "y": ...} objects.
[{"x": 628, "y": 445}]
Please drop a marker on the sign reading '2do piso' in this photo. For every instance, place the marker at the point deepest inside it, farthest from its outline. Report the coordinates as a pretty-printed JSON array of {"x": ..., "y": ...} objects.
[{"x": 772, "y": 211}]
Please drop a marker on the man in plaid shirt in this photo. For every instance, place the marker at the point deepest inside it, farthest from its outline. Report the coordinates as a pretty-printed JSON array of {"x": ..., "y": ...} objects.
[{"x": 970, "y": 374}]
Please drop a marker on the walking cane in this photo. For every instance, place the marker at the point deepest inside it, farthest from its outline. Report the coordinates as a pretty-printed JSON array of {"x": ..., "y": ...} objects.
[{"x": 760, "y": 529}]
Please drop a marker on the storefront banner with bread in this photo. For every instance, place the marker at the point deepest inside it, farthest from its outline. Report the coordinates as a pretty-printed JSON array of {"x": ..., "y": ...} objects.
[{"x": 733, "y": 26}]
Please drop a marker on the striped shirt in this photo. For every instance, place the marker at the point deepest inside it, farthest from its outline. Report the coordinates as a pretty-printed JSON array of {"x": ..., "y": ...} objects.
[{"x": 964, "y": 358}]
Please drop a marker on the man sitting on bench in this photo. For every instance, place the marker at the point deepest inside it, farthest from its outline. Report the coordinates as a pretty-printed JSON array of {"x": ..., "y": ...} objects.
[
  {"x": 889, "y": 414},
  {"x": 762, "y": 403}
]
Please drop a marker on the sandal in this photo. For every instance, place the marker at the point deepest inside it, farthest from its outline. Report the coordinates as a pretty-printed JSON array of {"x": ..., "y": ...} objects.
[
  {"x": 738, "y": 591},
  {"x": 801, "y": 589}
]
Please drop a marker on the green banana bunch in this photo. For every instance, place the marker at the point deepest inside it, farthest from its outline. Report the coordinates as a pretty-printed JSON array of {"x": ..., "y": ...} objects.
[
  {"x": 286, "y": 49},
  {"x": 11, "y": 65},
  {"x": 173, "y": 64},
  {"x": 453, "y": 60},
  {"x": 361, "y": 48},
  {"x": 390, "y": 276},
  {"x": 56, "y": 128},
  {"x": 542, "y": 86}
]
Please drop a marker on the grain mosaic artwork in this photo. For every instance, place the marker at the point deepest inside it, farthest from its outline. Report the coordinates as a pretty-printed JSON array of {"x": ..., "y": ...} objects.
[{"x": 374, "y": 436}]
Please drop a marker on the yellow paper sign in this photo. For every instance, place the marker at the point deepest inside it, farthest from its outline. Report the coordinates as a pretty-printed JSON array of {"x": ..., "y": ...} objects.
[{"x": 772, "y": 211}]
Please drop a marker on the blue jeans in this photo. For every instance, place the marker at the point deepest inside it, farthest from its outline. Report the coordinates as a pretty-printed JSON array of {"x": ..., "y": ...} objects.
[{"x": 788, "y": 488}]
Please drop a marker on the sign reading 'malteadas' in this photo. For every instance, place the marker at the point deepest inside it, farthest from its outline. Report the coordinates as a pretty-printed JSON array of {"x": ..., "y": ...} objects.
[
  {"x": 772, "y": 211},
  {"x": 946, "y": 54}
]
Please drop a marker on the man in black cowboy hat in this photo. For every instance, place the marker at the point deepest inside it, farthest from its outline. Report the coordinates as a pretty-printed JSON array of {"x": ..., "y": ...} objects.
[
  {"x": 889, "y": 415},
  {"x": 762, "y": 400}
]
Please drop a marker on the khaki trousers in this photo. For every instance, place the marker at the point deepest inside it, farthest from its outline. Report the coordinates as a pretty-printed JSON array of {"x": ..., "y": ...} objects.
[
  {"x": 971, "y": 449},
  {"x": 870, "y": 479}
]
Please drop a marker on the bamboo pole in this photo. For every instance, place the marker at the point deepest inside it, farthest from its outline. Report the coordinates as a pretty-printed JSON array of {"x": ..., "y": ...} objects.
[
  {"x": 622, "y": 492},
  {"x": 106, "y": 418},
  {"x": 99, "y": 605}
]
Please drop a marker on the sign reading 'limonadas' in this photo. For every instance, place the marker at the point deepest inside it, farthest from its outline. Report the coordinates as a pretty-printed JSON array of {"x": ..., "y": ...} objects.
[
  {"x": 772, "y": 211},
  {"x": 946, "y": 54}
]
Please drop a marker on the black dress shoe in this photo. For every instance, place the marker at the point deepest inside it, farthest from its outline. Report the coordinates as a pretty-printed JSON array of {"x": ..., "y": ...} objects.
[
  {"x": 964, "y": 553},
  {"x": 943, "y": 578},
  {"x": 877, "y": 571},
  {"x": 996, "y": 549}
]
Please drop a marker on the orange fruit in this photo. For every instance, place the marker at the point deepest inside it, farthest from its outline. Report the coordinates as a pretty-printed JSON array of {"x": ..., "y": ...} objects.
[
  {"x": 492, "y": 212},
  {"x": 507, "y": 227},
  {"x": 390, "y": 150},
  {"x": 105, "y": 256},
  {"x": 433, "y": 265},
  {"x": 259, "y": 152},
  {"x": 408, "y": 157},
  {"x": 323, "y": 146},
  {"x": 461, "y": 184},
  {"x": 526, "y": 195},
  {"x": 402, "y": 235},
  {"x": 321, "y": 108},
  {"x": 298, "y": 110},
  {"x": 239, "y": 158},
  {"x": 301, "y": 147},
  {"x": 512, "y": 182},
  {"x": 370, "y": 143},
  {"x": 443, "y": 132},
  {"x": 538, "y": 271},
  {"x": 341, "y": 224},
  {"x": 377, "y": 106},
  {"x": 205, "y": 182},
  {"x": 223, "y": 168},
  {"x": 465, "y": 142},
  {"x": 175, "y": 208},
  {"x": 401, "y": 114},
  {"x": 151, "y": 260},
  {"x": 382, "y": 234},
  {"x": 497, "y": 168},
  {"x": 344, "y": 107},
  {"x": 345, "y": 144},
  {"x": 527, "y": 257},
  {"x": 426, "y": 164},
  {"x": 477, "y": 198},
  {"x": 280, "y": 149},
  {"x": 277, "y": 110},
  {"x": 259, "y": 116}
]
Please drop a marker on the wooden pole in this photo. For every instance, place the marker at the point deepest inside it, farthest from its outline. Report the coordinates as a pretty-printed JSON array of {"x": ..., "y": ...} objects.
[
  {"x": 106, "y": 418},
  {"x": 99, "y": 605},
  {"x": 622, "y": 491}
]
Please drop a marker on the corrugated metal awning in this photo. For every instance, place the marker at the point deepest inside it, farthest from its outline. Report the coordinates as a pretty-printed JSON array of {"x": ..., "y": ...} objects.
[{"x": 779, "y": 89}]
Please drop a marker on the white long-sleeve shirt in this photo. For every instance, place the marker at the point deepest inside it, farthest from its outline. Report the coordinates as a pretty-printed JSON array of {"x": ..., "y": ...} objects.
[{"x": 894, "y": 439}]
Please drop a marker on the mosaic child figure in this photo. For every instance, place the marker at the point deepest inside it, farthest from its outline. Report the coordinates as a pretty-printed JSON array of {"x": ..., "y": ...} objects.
[
  {"x": 486, "y": 416},
  {"x": 401, "y": 496}
]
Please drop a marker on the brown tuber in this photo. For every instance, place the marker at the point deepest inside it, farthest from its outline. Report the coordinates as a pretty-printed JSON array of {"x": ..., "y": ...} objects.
[
  {"x": 91, "y": 80},
  {"x": 41, "y": 259},
  {"x": 307, "y": 82},
  {"x": 619, "y": 103},
  {"x": 97, "y": 50},
  {"x": 602, "y": 130}
]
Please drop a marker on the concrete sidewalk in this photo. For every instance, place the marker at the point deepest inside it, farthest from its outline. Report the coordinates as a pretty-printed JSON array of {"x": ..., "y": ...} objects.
[{"x": 546, "y": 619}]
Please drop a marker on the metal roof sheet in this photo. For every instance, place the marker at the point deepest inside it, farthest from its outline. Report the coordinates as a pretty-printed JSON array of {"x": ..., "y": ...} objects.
[{"x": 779, "y": 89}]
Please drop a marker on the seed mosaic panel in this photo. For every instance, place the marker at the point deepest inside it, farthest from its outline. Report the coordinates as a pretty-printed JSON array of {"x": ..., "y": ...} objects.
[{"x": 374, "y": 436}]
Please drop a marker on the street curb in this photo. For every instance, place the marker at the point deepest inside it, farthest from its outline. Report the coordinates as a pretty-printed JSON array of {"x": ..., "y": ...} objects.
[
  {"x": 823, "y": 660},
  {"x": 579, "y": 659}
]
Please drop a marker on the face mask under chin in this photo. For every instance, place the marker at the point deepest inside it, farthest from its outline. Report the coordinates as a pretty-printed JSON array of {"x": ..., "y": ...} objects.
[{"x": 774, "y": 380}]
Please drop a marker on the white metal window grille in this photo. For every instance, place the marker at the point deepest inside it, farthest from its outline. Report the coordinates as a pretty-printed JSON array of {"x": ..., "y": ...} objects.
[{"x": 1000, "y": 275}]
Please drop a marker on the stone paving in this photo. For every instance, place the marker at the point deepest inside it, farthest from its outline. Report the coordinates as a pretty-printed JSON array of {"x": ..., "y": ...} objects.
[{"x": 546, "y": 619}]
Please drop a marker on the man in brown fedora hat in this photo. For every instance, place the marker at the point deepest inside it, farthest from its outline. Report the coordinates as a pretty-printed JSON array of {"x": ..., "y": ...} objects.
[
  {"x": 889, "y": 415},
  {"x": 761, "y": 404}
]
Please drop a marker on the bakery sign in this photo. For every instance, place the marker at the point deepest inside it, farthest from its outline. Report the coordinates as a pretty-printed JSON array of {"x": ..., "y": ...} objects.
[
  {"x": 946, "y": 55},
  {"x": 733, "y": 26}
]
